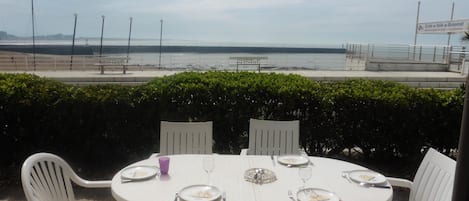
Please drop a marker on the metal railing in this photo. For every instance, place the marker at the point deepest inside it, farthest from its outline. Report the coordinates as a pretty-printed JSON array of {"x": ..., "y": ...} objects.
[
  {"x": 465, "y": 67},
  {"x": 419, "y": 53},
  {"x": 24, "y": 62}
]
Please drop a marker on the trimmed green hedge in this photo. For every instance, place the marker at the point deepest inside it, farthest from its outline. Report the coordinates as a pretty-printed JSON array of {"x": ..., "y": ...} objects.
[{"x": 99, "y": 129}]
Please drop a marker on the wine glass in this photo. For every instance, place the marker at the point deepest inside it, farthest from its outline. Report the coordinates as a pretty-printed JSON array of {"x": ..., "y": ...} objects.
[
  {"x": 208, "y": 165},
  {"x": 305, "y": 174}
]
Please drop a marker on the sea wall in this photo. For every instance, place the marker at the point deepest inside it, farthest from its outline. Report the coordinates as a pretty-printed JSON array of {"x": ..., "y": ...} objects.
[
  {"x": 49, "y": 49},
  {"x": 89, "y": 50}
]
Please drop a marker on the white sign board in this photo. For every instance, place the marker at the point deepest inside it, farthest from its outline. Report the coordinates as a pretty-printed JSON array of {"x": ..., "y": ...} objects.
[{"x": 454, "y": 26}]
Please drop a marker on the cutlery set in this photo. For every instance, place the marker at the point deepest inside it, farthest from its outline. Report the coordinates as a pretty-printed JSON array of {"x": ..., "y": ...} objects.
[
  {"x": 223, "y": 196},
  {"x": 345, "y": 175}
]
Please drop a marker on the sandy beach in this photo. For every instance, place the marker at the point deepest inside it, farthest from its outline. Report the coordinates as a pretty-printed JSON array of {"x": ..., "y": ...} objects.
[{"x": 14, "y": 61}]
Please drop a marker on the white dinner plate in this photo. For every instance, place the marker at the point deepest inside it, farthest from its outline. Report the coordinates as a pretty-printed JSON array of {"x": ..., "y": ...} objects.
[
  {"x": 316, "y": 194},
  {"x": 139, "y": 172},
  {"x": 199, "y": 192},
  {"x": 292, "y": 160},
  {"x": 366, "y": 176}
]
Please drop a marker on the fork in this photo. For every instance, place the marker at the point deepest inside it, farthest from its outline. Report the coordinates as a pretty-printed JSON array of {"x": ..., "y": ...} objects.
[{"x": 290, "y": 195}]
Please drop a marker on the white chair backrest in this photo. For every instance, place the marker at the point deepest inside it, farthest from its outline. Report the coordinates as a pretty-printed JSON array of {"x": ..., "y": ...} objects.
[
  {"x": 434, "y": 178},
  {"x": 186, "y": 137},
  {"x": 47, "y": 177},
  {"x": 268, "y": 137}
]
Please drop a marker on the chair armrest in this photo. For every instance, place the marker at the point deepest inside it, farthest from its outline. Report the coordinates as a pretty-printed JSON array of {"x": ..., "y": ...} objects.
[
  {"x": 91, "y": 184},
  {"x": 153, "y": 155},
  {"x": 244, "y": 152},
  {"x": 399, "y": 182},
  {"x": 97, "y": 184}
]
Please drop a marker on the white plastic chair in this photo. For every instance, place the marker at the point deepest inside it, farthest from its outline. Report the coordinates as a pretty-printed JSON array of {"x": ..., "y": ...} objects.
[
  {"x": 267, "y": 137},
  {"x": 185, "y": 138},
  {"x": 433, "y": 180},
  {"x": 47, "y": 177}
]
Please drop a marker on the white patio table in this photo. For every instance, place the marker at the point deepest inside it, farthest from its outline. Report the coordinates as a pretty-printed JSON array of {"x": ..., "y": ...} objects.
[{"x": 228, "y": 176}]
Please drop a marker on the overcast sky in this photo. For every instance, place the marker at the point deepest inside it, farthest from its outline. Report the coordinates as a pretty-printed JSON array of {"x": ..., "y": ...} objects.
[{"x": 236, "y": 21}]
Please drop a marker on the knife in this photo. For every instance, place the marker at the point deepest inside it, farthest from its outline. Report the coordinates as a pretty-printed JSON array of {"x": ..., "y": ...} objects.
[
  {"x": 380, "y": 186},
  {"x": 373, "y": 185}
]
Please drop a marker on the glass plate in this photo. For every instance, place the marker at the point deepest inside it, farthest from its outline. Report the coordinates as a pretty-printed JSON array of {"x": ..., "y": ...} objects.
[
  {"x": 199, "y": 192},
  {"x": 316, "y": 194},
  {"x": 139, "y": 172},
  {"x": 366, "y": 176},
  {"x": 292, "y": 160}
]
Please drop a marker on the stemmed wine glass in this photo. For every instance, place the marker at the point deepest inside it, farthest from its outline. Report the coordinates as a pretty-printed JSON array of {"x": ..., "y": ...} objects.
[
  {"x": 305, "y": 174},
  {"x": 208, "y": 165}
]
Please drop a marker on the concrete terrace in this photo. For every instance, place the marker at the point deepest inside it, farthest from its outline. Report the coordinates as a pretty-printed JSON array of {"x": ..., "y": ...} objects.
[{"x": 445, "y": 80}]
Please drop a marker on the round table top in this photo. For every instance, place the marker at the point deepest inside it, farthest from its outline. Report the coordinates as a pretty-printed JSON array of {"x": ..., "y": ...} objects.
[{"x": 228, "y": 176}]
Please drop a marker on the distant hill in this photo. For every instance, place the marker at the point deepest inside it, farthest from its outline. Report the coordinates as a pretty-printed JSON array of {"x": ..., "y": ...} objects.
[{"x": 5, "y": 36}]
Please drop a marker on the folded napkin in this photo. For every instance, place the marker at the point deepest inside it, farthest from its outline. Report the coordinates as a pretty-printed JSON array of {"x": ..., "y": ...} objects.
[
  {"x": 139, "y": 173},
  {"x": 366, "y": 177},
  {"x": 290, "y": 160},
  {"x": 202, "y": 194},
  {"x": 318, "y": 198}
]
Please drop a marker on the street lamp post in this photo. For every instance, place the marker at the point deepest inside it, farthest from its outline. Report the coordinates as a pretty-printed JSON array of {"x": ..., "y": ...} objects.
[
  {"x": 161, "y": 38},
  {"x": 461, "y": 176},
  {"x": 416, "y": 26},
  {"x": 101, "y": 45},
  {"x": 128, "y": 42},
  {"x": 73, "y": 41},
  {"x": 34, "y": 37},
  {"x": 451, "y": 19}
]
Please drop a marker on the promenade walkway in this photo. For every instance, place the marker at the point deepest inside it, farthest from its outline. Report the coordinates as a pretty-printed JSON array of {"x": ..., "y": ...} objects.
[{"x": 445, "y": 80}]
